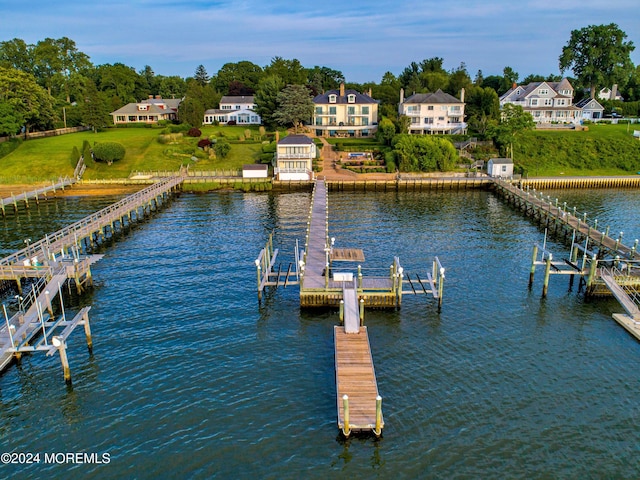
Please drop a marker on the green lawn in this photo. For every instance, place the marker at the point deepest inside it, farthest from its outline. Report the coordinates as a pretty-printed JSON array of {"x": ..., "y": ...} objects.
[{"x": 49, "y": 158}]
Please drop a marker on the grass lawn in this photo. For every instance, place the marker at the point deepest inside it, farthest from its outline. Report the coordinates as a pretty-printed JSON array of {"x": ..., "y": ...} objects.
[{"x": 49, "y": 158}]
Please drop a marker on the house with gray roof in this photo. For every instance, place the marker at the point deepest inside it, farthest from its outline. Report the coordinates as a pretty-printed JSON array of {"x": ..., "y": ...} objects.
[
  {"x": 433, "y": 113},
  {"x": 547, "y": 102},
  {"x": 345, "y": 113},
  {"x": 237, "y": 109},
  {"x": 294, "y": 158},
  {"x": 591, "y": 109},
  {"x": 151, "y": 110}
]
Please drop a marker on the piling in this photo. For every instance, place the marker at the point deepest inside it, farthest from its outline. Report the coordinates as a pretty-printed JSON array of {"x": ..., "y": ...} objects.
[
  {"x": 533, "y": 265},
  {"x": 346, "y": 430},
  {"x": 547, "y": 271}
]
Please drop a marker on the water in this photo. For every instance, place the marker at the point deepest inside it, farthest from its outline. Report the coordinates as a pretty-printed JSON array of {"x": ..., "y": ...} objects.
[{"x": 191, "y": 378}]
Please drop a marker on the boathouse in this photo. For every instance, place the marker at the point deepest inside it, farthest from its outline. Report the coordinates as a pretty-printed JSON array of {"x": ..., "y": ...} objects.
[
  {"x": 294, "y": 158},
  {"x": 500, "y": 167}
]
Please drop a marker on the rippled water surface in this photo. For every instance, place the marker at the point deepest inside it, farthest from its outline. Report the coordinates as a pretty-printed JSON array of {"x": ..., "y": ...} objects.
[{"x": 192, "y": 378}]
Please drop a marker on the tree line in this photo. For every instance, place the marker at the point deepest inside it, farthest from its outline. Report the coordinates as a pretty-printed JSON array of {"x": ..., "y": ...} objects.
[{"x": 53, "y": 84}]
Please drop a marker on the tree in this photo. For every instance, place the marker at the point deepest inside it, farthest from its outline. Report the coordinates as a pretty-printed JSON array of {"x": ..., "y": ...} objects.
[
  {"x": 29, "y": 101},
  {"x": 201, "y": 76},
  {"x": 290, "y": 71},
  {"x": 93, "y": 107},
  {"x": 386, "y": 131},
  {"x": 246, "y": 73},
  {"x": 424, "y": 153},
  {"x": 597, "y": 55},
  {"x": 482, "y": 108},
  {"x": 171, "y": 87},
  {"x": 10, "y": 120},
  {"x": 266, "y": 99},
  {"x": 294, "y": 106},
  {"x": 17, "y": 54},
  {"x": 108, "y": 152},
  {"x": 514, "y": 120},
  {"x": 321, "y": 79}
]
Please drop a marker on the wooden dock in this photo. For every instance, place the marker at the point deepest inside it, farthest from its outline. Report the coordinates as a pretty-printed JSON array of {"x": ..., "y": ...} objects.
[
  {"x": 95, "y": 227},
  {"x": 356, "y": 380},
  {"x": 24, "y": 197}
]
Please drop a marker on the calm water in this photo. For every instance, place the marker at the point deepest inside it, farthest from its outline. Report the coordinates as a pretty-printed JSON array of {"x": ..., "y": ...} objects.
[{"x": 192, "y": 378}]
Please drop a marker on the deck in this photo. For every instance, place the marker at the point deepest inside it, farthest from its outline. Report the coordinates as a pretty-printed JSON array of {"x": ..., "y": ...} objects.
[{"x": 355, "y": 378}]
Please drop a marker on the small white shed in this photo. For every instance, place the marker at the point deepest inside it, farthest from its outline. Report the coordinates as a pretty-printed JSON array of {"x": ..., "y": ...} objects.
[
  {"x": 255, "y": 170},
  {"x": 500, "y": 167}
]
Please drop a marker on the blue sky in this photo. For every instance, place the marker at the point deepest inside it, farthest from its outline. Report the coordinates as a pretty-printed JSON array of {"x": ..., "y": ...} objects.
[{"x": 363, "y": 39}]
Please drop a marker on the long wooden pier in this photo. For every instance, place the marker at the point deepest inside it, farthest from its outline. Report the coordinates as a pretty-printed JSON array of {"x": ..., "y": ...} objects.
[
  {"x": 24, "y": 197},
  {"x": 56, "y": 259},
  {"x": 95, "y": 227},
  {"x": 605, "y": 265}
]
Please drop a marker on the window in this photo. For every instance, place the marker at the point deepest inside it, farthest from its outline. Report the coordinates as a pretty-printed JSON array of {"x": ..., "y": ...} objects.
[
  {"x": 365, "y": 121},
  {"x": 120, "y": 118},
  {"x": 504, "y": 168},
  {"x": 365, "y": 110},
  {"x": 332, "y": 98},
  {"x": 430, "y": 107},
  {"x": 534, "y": 102},
  {"x": 318, "y": 110},
  {"x": 318, "y": 121},
  {"x": 455, "y": 108},
  {"x": 548, "y": 102},
  {"x": 351, "y": 98},
  {"x": 543, "y": 91},
  {"x": 441, "y": 119},
  {"x": 413, "y": 109},
  {"x": 415, "y": 121},
  {"x": 332, "y": 110},
  {"x": 351, "y": 110},
  {"x": 428, "y": 120},
  {"x": 561, "y": 102}
]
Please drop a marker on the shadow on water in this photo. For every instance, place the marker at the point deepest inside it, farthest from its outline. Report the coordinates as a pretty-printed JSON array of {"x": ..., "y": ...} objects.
[{"x": 360, "y": 441}]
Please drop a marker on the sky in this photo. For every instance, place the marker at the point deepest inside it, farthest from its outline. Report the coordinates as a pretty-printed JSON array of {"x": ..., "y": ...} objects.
[{"x": 361, "y": 38}]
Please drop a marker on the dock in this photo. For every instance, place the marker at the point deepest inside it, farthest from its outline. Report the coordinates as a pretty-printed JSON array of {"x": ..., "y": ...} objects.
[
  {"x": 24, "y": 197},
  {"x": 63, "y": 258}
]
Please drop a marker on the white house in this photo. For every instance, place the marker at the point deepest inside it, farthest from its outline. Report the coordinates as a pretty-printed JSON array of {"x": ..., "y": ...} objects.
[
  {"x": 591, "y": 109},
  {"x": 433, "y": 113},
  {"x": 150, "y": 110},
  {"x": 610, "y": 93},
  {"x": 500, "y": 167},
  {"x": 234, "y": 109},
  {"x": 547, "y": 102},
  {"x": 294, "y": 158},
  {"x": 345, "y": 113}
]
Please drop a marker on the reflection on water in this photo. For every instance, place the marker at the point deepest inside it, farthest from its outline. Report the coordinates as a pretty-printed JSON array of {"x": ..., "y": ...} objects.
[{"x": 192, "y": 377}]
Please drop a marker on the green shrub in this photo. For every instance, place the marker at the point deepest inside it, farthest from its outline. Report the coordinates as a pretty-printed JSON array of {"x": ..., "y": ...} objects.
[
  {"x": 75, "y": 156},
  {"x": 221, "y": 148},
  {"x": 108, "y": 152},
  {"x": 194, "y": 132}
]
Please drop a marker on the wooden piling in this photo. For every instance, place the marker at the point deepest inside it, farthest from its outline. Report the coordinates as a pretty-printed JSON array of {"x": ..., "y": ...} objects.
[
  {"x": 547, "y": 271},
  {"x": 532, "y": 272}
]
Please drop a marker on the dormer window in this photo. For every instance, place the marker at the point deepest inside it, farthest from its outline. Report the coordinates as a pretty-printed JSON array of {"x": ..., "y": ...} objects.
[
  {"x": 351, "y": 98},
  {"x": 142, "y": 108},
  {"x": 332, "y": 98}
]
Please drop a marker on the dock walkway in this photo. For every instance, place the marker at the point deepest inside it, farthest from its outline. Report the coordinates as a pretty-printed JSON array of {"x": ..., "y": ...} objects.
[{"x": 24, "y": 197}]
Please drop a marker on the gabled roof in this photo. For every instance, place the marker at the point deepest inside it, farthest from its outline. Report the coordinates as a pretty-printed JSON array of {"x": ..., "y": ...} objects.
[
  {"x": 218, "y": 111},
  {"x": 586, "y": 101},
  {"x": 295, "y": 140},
  {"x": 152, "y": 109},
  {"x": 437, "y": 97},
  {"x": 520, "y": 92},
  {"x": 501, "y": 161},
  {"x": 237, "y": 99},
  {"x": 173, "y": 103},
  {"x": 360, "y": 97}
]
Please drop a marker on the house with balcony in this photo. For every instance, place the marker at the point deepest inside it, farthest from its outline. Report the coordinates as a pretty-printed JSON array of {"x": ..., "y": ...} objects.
[
  {"x": 294, "y": 158},
  {"x": 547, "y": 102},
  {"x": 345, "y": 113},
  {"x": 234, "y": 110},
  {"x": 151, "y": 110},
  {"x": 433, "y": 113}
]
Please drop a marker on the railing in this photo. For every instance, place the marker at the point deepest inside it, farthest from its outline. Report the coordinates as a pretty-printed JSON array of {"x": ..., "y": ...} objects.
[
  {"x": 85, "y": 226},
  {"x": 295, "y": 155}
]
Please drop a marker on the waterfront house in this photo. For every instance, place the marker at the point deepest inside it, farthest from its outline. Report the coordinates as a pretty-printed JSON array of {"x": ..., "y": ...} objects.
[
  {"x": 234, "y": 109},
  {"x": 433, "y": 113},
  {"x": 500, "y": 167},
  {"x": 345, "y": 113},
  {"x": 591, "y": 109},
  {"x": 151, "y": 110},
  {"x": 612, "y": 93},
  {"x": 547, "y": 102},
  {"x": 294, "y": 158}
]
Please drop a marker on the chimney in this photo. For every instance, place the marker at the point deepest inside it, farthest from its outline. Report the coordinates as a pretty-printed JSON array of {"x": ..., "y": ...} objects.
[
  {"x": 342, "y": 89},
  {"x": 462, "y": 95},
  {"x": 277, "y": 136},
  {"x": 402, "y": 95},
  {"x": 614, "y": 92},
  {"x": 514, "y": 85},
  {"x": 158, "y": 97},
  {"x": 370, "y": 94},
  {"x": 150, "y": 97}
]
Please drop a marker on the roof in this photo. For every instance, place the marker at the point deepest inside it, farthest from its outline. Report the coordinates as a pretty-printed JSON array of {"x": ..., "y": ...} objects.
[
  {"x": 529, "y": 88},
  {"x": 255, "y": 166},
  {"x": 152, "y": 109},
  {"x": 436, "y": 97},
  {"x": 237, "y": 99},
  {"x": 218, "y": 111},
  {"x": 501, "y": 161},
  {"x": 585, "y": 101},
  {"x": 169, "y": 102},
  {"x": 295, "y": 140},
  {"x": 360, "y": 97}
]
